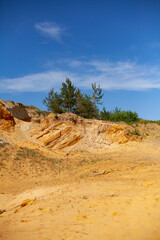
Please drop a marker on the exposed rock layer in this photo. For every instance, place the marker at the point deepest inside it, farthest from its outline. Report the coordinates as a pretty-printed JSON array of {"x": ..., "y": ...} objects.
[
  {"x": 6, "y": 119},
  {"x": 71, "y": 132},
  {"x": 22, "y": 112},
  {"x": 67, "y": 132}
]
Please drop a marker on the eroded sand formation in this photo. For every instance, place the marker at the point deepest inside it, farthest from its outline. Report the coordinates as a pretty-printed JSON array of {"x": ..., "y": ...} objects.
[{"x": 74, "y": 178}]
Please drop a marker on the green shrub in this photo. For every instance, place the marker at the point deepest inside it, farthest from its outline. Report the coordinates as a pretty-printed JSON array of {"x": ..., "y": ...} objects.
[
  {"x": 117, "y": 116},
  {"x": 126, "y": 116},
  {"x": 105, "y": 115}
]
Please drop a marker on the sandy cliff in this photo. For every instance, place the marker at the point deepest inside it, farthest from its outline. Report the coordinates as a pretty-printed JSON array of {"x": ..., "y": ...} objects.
[
  {"x": 22, "y": 112},
  {"x": 75, "y": 178},
  {"x": 6, "y": 119},
  {"x": 70, "y": 132}
]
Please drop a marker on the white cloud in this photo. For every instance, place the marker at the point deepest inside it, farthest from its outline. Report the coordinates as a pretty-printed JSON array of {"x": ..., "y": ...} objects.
[
  {"x": 110, "y": 75},
  {"x": 122, "y": 75},
  {"x": 51, "y": 30},
  {"x": 33, "y": 83}
]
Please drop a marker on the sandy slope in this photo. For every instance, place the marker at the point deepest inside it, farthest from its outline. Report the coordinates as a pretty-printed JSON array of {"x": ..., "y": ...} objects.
[
  {"x": 111, "y": 195},
  {"x": 79, "y": 182}
]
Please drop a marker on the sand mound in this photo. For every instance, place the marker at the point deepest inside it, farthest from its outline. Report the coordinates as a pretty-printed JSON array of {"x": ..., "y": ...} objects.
[
  {"x": 67, "y": 132},
  {"x": 70, "y": 132},
  {"x": 65, "y": 177}
]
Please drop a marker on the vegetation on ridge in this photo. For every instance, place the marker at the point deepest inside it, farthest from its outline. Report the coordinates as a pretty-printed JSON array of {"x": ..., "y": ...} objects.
[
  {"x": 117, "y": 115},
  {"x": 73, "y": 100}
]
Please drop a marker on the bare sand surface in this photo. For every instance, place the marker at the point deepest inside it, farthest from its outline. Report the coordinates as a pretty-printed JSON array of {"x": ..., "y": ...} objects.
[{"x": 110, "y": 195}]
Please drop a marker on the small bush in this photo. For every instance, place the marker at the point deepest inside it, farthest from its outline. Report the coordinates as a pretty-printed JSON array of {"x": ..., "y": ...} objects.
[
  {"x": 117, "y": 116},
  {"x": 105, "y": 115}
]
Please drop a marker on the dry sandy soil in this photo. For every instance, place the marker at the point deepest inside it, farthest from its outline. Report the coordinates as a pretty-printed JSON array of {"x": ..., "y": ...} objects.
[{"x": 111, "y": 194}]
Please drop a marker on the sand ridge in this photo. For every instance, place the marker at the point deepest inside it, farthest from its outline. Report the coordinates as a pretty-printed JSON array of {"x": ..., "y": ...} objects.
[{"x": 96, "y": 188}]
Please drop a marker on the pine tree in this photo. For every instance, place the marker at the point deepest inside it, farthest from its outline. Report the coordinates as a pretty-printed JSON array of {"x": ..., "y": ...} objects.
[
  {"x": 79, "y": 108},
  {"x": 84, "y": 105},
  {"x": 68, "y": 95},
  {"x": 88, "y": 107},
  {"x": 105, "y": 115},
  {"x": 97, "y": 96},
  {"x": 53, "y": 102},
  {"x": 74, "y": 101}
]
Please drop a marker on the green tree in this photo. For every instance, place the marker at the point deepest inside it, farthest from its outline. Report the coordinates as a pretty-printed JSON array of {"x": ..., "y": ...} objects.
[
  {"x": 53, "y": 102},
  {"x": 105, "y": 115},
  {"x": 79, "y": 108},
  {"x": 88, "y": 107},
  {"x": 97, "y": 96},
  {"x": 72, "y": 100},
  {"x": 68, "y": 95},
  {"x": 84, "y": 105}
]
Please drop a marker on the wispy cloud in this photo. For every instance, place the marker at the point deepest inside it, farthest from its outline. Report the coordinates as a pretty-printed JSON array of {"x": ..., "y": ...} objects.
[
  {"x": 119, "y": 75},
  {"x": 110, "y": 75},
  {"x": 51, "y": 29},
  {"x": 33, "y": 83}
]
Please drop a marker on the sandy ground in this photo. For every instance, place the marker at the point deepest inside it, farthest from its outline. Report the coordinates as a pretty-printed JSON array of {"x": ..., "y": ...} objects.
[{"x": 111, "y": 195}]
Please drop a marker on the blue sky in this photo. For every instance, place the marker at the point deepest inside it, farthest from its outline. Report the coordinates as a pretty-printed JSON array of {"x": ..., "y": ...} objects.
[{"x": 114, "y": 43}]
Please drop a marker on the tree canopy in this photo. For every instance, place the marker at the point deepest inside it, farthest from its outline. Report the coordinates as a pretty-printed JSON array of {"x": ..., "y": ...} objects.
[
  {"x": 71, "y": 99},
  {"x": 53, "y": 102},
  {"x": 68, "y": 95}
]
